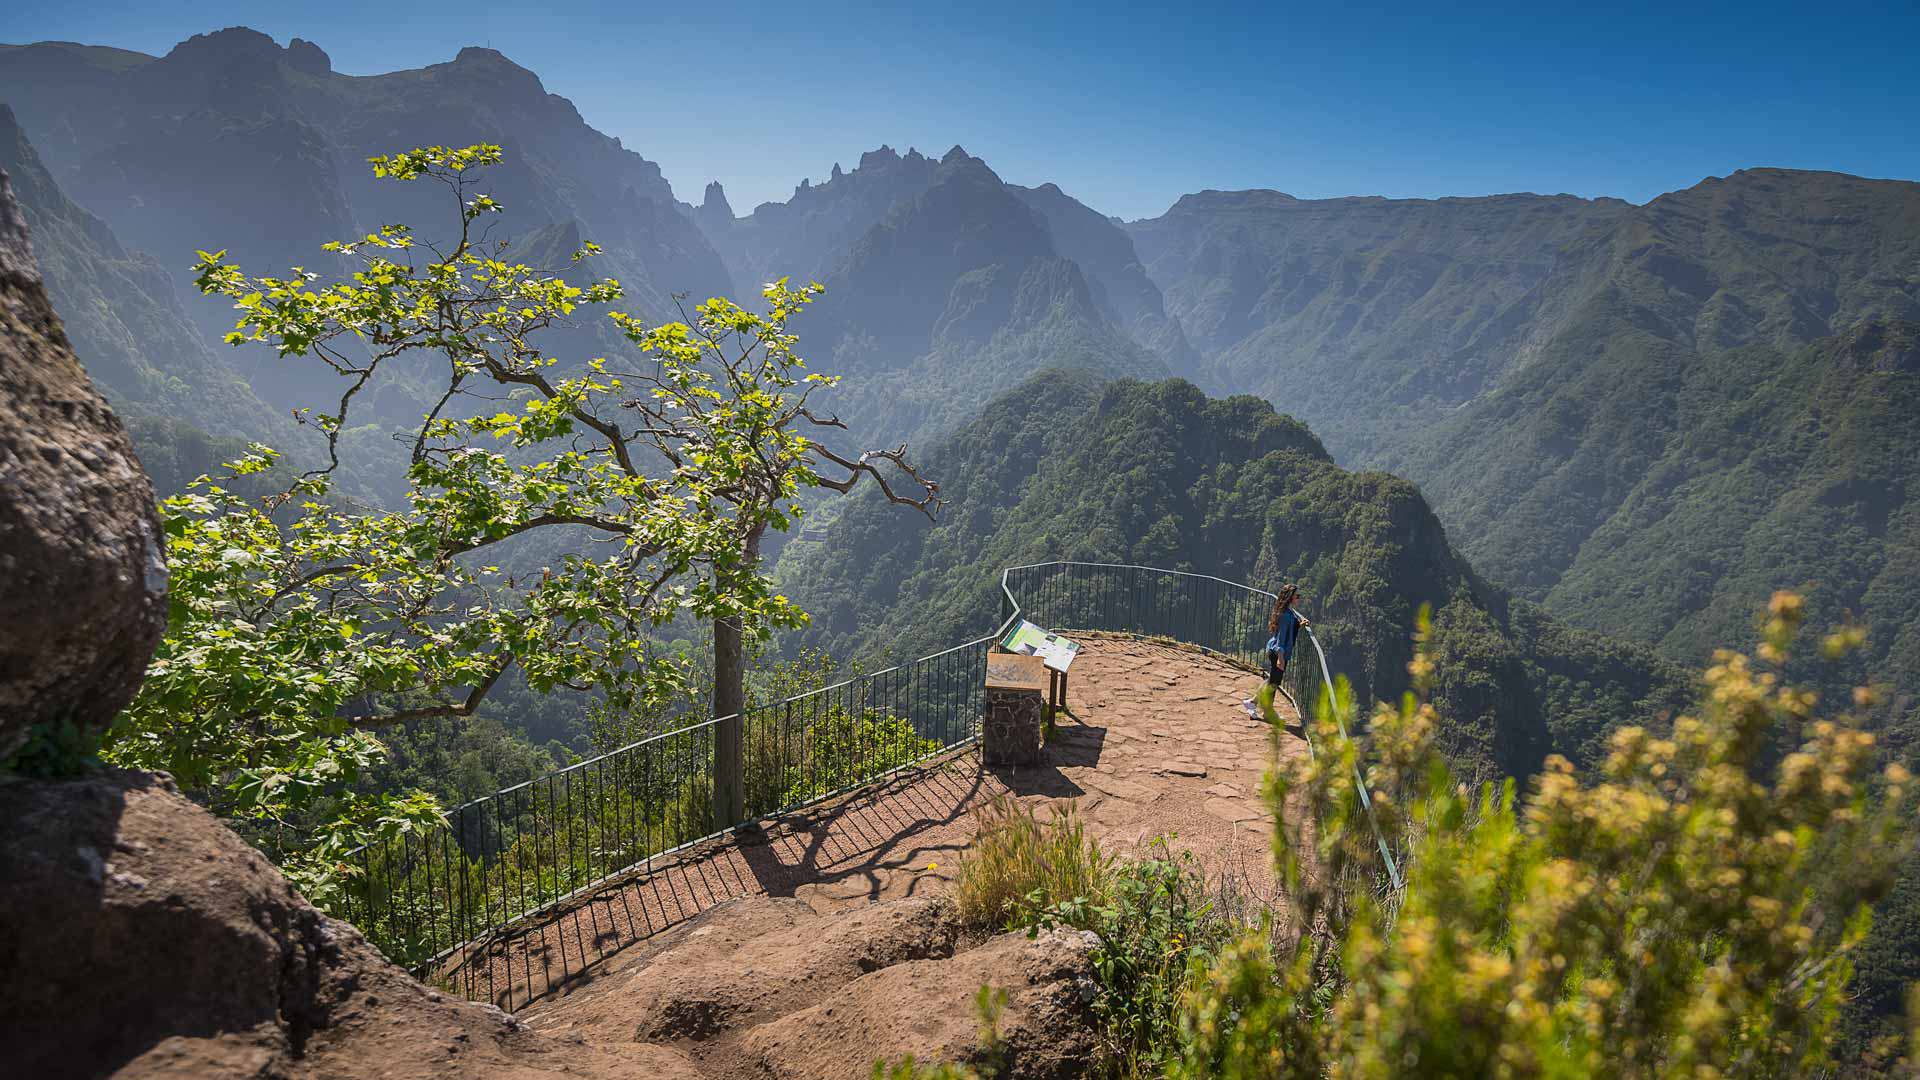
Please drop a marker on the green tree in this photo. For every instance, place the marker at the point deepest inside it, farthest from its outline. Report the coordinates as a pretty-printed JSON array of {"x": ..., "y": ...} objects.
[
  {"x": 1692, "y": 911},
  {"x": 730, "y": 398},
  {"x": 302, "y": 625}
]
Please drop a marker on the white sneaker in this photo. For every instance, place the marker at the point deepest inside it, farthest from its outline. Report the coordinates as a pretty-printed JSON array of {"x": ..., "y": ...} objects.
[{"x": 1253, "y": 711}]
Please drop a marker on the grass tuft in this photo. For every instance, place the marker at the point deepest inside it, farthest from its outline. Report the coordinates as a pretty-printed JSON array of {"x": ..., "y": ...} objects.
[{"x": 1020, "y": 865}]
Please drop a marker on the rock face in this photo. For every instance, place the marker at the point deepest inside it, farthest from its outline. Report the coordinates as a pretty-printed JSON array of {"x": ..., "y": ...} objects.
[
  {"x": 83, "y": 603},
  {"x": 139, "y": 937}
]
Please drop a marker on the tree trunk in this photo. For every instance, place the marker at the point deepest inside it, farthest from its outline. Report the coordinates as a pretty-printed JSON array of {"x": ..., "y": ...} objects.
[{"x": 730, "y": 703}]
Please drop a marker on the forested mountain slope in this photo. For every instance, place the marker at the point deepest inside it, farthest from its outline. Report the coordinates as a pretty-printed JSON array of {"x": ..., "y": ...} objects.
[
  {"x": 1765, "y": 262},
  {"x": 1363, "y": 315},
  {"x": 1647, "y": 418},
  {"x": 1106, "y": 255},
  {"x": 231, "y": 141},
  {"x": 1158, "y": 474},
  {"x": 120, "y": 306},
  {"x": 121, "y": 310},
  {"x": 1692, "y": 492}
]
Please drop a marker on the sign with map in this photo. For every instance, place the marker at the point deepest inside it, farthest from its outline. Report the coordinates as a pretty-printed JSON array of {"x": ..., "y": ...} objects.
[{"x": 1030, "y": 640}]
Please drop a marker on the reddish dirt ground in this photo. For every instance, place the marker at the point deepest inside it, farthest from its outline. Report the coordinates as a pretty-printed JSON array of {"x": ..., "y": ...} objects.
[{"x": 1155, "y": 745}]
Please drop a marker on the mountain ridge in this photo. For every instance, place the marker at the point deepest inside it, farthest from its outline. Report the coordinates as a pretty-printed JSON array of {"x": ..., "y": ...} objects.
[
  {"x": 222, "y": 118},
  {"x": 1067, "y": 466}
]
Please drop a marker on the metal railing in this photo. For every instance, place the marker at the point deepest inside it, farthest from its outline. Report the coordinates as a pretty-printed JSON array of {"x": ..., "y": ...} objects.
[
  {"x": 529, "y": 850},
  {"x": 511, "y": 858},
  {"x": 1200, "y": 609}
]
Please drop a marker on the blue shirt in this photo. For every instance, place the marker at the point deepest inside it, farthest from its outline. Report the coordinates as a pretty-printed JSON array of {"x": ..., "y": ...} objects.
[{"x": 1282, "y": 640}]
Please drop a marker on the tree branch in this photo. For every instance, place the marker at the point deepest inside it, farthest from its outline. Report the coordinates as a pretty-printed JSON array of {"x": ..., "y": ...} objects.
[
  {"x": 424, "y": 712},
  {"x": 929, "y": 502}
]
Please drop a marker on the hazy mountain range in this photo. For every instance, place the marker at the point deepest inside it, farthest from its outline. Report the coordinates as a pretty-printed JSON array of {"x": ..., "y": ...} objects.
[
  {"x": 1641, "y": 419},
  {"x": 1547, "y": 368}
]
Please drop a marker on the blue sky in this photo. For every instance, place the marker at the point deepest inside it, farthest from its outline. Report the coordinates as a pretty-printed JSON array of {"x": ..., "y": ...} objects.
[{"x": 1127, "y": 111}]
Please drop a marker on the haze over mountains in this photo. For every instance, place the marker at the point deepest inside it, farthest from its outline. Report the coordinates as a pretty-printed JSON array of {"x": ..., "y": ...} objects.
[
  {"x": 1540, "y": 365},
  {"x": 1641, "y": 419}
]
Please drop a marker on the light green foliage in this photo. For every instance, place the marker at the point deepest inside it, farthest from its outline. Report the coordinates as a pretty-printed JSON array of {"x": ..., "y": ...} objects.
[
  {"x": 242, "y": 700},
  {"x": 302, "y": 624},
  {"x": 1691, "y": 911}
]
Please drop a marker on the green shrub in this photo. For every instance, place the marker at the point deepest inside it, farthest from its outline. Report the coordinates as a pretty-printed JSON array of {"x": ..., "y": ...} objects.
[
  {"x": 55, "y": 750},
  {"x": 1154, "y": 921}
]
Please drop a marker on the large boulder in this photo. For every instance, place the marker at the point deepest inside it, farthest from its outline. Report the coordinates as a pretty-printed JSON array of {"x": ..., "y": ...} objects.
[
  {"x": 82, "y": 577},
  {"x": 926, "y": 1009},
  {"x": 139, "y": 937},
  {"x": 774, "y": 989},
  {"x": 753, "y": 959}
]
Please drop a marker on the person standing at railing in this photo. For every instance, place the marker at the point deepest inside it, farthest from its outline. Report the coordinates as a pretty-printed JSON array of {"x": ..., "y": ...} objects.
[{"x": 1285, "y": 625}]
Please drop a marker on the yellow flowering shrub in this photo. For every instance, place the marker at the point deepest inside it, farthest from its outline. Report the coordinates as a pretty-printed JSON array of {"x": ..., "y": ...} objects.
[{"x": 1689, "y": 911}]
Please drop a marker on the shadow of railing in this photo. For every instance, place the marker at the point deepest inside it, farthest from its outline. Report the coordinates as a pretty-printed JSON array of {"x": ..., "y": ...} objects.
[
  {"x": 847, "y": 850},
  {"x": 531, "y": 887}
]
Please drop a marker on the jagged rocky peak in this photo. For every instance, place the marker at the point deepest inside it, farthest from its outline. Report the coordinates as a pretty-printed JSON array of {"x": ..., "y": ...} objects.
[
  {"x": 304, "y": 55},
  {"x": 495, "y": 68},
  {"x": 837, "y": 174},
  {"x": 914, "y": 155},
  {"x": 714, "y": 203},
  {"x": 875, "y": 158},
  {"x": 957, "y": 162}
]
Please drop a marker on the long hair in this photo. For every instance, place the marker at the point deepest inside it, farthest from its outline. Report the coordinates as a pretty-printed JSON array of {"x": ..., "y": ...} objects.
[{"x": 1281, "y": 602}]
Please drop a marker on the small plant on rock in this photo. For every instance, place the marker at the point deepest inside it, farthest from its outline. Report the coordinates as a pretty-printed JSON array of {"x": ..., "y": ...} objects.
[{"x": 1154, "y": 919}]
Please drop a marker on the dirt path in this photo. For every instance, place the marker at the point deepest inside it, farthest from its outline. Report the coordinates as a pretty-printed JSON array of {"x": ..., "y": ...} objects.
[{"x": 1156, "y": 745}]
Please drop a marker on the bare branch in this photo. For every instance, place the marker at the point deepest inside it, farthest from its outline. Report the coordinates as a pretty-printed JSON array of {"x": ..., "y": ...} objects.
[{"x": 929, "y": 502}]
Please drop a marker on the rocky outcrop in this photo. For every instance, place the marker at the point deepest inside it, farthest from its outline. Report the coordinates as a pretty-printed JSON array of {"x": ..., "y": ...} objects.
[
  {"x": 82, "y": 578},
  {"x": 139, "y": 937},
  {"x": 925, "y": 1009},
  {"x": 717, "y": 981},
  {"x": 768, "y": 987}
]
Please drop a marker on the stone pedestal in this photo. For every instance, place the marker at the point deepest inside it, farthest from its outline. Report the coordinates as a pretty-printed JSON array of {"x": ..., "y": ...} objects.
[{"x": 1013, "y": 730}]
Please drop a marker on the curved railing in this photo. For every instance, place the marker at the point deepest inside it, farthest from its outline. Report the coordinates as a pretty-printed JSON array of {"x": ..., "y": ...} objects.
[
  {"x": 1200, "y": 609},
  {"x": 511, "y": 858}
]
